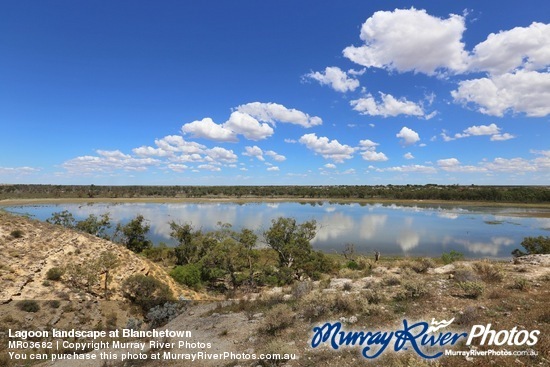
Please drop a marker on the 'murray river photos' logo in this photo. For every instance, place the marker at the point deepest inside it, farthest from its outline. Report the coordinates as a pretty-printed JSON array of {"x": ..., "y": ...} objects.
[{"x": 419, "y": 336}]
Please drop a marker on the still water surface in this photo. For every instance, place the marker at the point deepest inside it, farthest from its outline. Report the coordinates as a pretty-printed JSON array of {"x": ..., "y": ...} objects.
[{"x": 392, "y": 229}]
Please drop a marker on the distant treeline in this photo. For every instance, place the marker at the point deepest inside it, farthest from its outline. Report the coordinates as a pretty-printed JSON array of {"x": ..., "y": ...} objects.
[{"x": 512, "y": 194}]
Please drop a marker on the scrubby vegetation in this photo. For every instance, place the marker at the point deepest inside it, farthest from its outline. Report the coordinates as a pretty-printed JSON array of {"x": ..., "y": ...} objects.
[
  {"x": 451, "y": 257},
  {"x": 146, "y": 291},
  {"x": 28, "y": 305},
  {"x": 534, "y": 245},
  {"x": 16, "y": 233},
  {"x": 518, "y": 194},
  {"x": 220, "y": 260},
  {"x": 55, "y": 273}
]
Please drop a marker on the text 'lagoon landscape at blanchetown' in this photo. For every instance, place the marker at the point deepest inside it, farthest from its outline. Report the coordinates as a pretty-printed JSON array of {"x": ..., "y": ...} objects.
[{"x": 389, "y": 228}]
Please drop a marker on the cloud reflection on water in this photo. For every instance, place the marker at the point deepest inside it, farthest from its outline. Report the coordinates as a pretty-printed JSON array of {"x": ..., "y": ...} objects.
[{"x": 392, "y": 229}]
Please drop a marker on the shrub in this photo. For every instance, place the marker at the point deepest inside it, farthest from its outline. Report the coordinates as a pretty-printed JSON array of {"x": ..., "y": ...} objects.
[
  {"x": 314, "y": 306},
  {"x": 54, "y": 303},
  {"x": 276, "y": 348},
  {"x": 451, "y": 257},
  {"x": 347, "y": 304},
  {"x": 468, "y": 317},
  {"x": 133, "y": 324},
  {"x": 472, "y": 289},
  {"x": 17, "y": 233},
  {"x": 544, "y": 318},
  {"x": 390, "y": 280},
  {"x": 278, "y": 318},
  {"x": 84, "y": 276},
  {"x": 373, "y": 296},
  {"x": 301, "y": 289},
  {"x": 162, "y": 314},
  {"x": 520, "y": 284},
  {"x": 352, "y": 265},
  {"x": 413, "y": 290},
  {"x": 28, "y": 306},
  {"x": 111, "y": 321},
  {"x": 55, "y": 273},
  {"x": 189, "y": 275},
  {"x": 146, "y": 291},
  {"x": 422, "y": 265},
  {"x": 489, "y": 272},
  {"x": 534, "y": 245},
  {"x": 317, "y": 263},
  {"x": 464, "y": 274},
  {"x": 365, "y": 263},
  {"x": 349, "y": 274}
]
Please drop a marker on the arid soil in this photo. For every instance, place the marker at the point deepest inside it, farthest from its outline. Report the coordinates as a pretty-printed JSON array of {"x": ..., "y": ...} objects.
[{"x": 37, "y": 247}]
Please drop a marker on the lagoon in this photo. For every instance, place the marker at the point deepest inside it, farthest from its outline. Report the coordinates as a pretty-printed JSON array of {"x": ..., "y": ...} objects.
[{"x": 392, "y": 229}]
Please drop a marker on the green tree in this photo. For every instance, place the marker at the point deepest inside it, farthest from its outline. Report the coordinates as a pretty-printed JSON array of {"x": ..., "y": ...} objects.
[
  {"x": 146, "y": 291},
  {"x": 107, "y": 262},
  {"x": 82, "y": 275},
  {"x": 96, "y": 226},
  {"x": 63, "y": 218},
  {"x": 187, "y": 249},
  {"x": 291, "y": 242},
  {"x": 248, "y": 240},
  {"x": 160, "y": 253},
  {"x": 223, "y": 255},
  {"x": 134, "y": 234},
  {"x": 534, "y": 245}
]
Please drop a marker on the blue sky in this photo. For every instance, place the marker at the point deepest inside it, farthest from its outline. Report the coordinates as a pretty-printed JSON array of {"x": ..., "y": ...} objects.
[{"x": 274, "y": 92}]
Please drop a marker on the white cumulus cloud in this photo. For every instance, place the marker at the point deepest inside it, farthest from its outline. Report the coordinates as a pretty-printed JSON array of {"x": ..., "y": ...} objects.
[
  {"x": 219, "y": 154},
  {"x": 390, "y": 106},
  {"x": 329, "y": 149},
  {"x": 208, "y": 129},
  {"x": 273, "y": 113},
  {"x": 521, "y": 92},
  {"x": 108, "y": 161},
  {"x": 335, "y": 78},
  {"x": 408, "y": 136},
  {"x": 253, "y": 120},
  {"x": 521, "y": 47},
  {"x": 254, "y": 152},
  {"x": 369, "y": 151},
  {"x": 275, "y": 156},
  {"x": 371, "y": 155},
  {"x": 411, "y": 40},
  {"x": 178, "y": 167},
  {"x": 491, "y": 130},
  {"x": 248, "y": 126}
]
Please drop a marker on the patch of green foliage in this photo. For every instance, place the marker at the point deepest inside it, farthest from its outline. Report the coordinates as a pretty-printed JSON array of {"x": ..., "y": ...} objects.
[
  {"x": 471, "y": 289},
  {"x": 534, "y": 245},
  {"x": 451, "y": 257},
  {"x": 55, "y": 273},
  {"x": 133, "y": 235},
  {"x": 28, "y": 305},
  {"x": 189, "y": 275},
  {"x": 146, "y": 291},
  {"x": 16, "y": 233}
]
